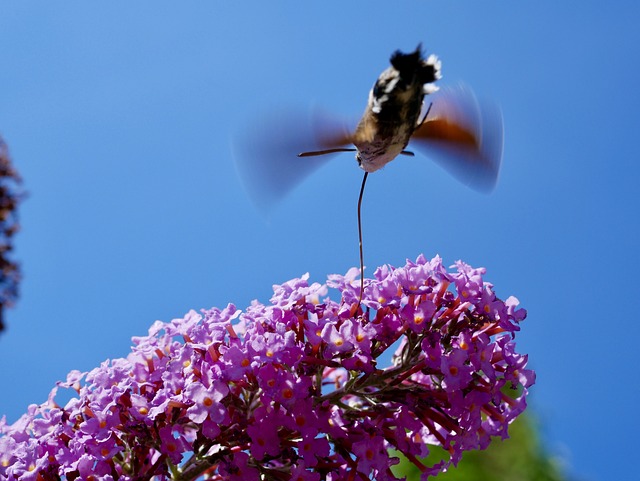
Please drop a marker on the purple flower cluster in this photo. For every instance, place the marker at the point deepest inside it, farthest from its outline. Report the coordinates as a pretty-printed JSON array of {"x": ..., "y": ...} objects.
[
  {"x": 10, "y": 197},
  {"x": 294, "y": 389}
]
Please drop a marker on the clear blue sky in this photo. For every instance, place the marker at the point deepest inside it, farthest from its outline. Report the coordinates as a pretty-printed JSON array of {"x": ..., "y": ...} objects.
[{"x": 120, "y": 118}]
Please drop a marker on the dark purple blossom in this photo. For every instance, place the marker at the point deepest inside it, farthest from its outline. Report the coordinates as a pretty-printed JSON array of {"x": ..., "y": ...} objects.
[
  {"x": 292, "y": 390},
  {"x": 10, "y": 196}
]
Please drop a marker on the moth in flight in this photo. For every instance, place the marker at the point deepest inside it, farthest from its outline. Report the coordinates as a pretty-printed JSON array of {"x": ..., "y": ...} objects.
[{"x": 454, "y": 129}]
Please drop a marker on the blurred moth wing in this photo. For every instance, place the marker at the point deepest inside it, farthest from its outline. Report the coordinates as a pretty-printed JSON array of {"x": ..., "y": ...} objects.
[
  {"x": 266, "y": 154},
  {"x": 464, "y": 136}
]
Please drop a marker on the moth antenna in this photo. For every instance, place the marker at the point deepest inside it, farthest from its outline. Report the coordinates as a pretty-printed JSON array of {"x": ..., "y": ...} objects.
[
  {"x": 364, "y": 181},
  {"x": 408, "y": 153},
  {"x": 324, "y": 152},
  {"x": 426, "y": 114}
]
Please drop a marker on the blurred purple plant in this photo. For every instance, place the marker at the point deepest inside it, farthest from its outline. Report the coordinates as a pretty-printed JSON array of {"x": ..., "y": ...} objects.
[
  {"x": 292, "y": 390},
  {"x": 10, "y": 197}
]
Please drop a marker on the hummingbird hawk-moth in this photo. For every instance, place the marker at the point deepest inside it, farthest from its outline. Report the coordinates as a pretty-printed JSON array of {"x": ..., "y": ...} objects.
[{"x": 454, "y": 129}]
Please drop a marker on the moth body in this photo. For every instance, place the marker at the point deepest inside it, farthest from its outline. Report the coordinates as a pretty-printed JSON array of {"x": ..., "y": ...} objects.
[
  {"x": 461, "y": 134},
  {"x": 393, "y": 109}
]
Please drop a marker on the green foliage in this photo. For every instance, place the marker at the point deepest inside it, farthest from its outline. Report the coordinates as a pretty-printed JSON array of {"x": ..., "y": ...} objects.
[{"x": 519, "y": 458}]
